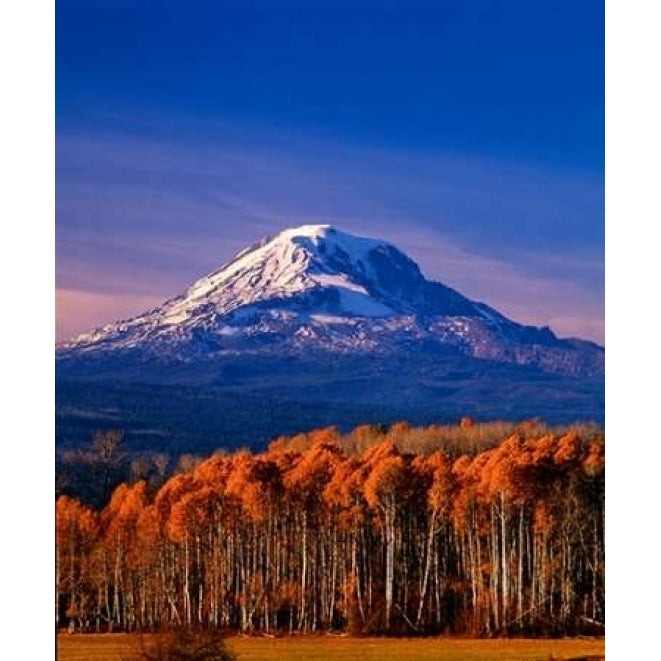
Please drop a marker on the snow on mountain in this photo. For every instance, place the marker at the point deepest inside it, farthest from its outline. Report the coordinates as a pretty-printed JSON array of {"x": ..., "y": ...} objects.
[{"x": 315, "y": 287}]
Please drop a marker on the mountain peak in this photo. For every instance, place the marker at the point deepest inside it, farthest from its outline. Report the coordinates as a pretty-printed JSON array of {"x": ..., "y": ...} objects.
[
  {"x": 314, "y": 273},
  {"x": 315, "y": 286},
  {"x": 296, "y": 264},
  {"x": 310, "y": 231},
  {"x": 317, "y": 242},
  {"x": 320, "y": 233}
]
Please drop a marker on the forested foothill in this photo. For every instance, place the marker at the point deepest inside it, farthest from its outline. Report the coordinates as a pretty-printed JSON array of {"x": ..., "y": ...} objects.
[{"x": 483, "y": 529}]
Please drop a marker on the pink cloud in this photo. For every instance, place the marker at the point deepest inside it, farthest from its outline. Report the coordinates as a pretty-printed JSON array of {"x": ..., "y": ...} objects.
[{"x": 79, "y": 311}]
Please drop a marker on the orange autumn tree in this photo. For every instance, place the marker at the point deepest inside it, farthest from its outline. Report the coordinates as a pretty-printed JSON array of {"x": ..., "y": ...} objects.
[
  {"x": 435, "y": 471},
  {"x": 76, "y": 531},
  {"x": 333, "y": 531},
  {"x": 383, "y": 488},
  {"x": 305, "y": 483}
]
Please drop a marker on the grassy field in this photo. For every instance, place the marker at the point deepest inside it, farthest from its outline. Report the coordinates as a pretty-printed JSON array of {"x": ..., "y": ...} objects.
[{"x": 115, "y": 647}]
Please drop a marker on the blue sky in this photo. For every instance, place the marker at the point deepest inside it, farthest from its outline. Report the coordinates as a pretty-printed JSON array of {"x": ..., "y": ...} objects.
[{"x": 471, "y": 134}]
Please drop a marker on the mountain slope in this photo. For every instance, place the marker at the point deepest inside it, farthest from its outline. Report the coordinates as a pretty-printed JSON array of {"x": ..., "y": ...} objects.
[
  {"x": 315, "y": 289},
  {"x": 309, "y": 328}
]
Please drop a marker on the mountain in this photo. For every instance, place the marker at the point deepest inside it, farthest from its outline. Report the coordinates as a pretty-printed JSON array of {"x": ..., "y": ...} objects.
[
  {"x": 315, "y": 287},
  {"x": 316, "y": 314}
]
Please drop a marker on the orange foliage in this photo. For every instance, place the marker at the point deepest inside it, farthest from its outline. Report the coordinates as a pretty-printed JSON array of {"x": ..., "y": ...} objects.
[
  {"x": 265, "y": 531},
  {"x": 385, "y": 480}
]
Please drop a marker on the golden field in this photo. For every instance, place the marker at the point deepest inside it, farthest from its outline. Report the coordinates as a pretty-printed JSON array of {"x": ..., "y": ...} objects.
[{"x": 116, "y": 647}]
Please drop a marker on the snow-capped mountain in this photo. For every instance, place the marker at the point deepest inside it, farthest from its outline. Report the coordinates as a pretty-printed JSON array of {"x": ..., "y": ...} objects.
[{"x": 317, "y": 288}]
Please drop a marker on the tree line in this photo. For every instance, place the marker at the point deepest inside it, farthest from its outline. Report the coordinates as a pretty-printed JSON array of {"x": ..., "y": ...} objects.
[{"x": 379, "y": 534}]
